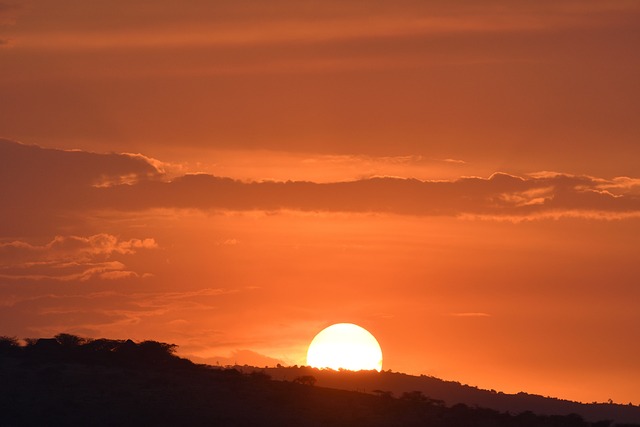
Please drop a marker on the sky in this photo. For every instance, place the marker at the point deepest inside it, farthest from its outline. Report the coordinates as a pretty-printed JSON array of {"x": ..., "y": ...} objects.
[{"x": 459, "y": 178}]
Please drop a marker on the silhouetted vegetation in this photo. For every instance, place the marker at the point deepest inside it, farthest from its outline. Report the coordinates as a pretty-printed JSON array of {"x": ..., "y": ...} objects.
[
  {"x": 305, "y": 380},
  {"x": 74, "y": 349},
  {"x": 69, "y": 381},
  {"x": 9, "y": 345},
  {"x": 449, "y": 393}
]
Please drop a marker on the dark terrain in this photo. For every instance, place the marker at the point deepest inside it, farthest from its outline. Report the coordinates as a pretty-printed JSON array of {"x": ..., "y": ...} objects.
[
  {"x": 70, "y": 381},
  {"x": 451, "y": 393}
]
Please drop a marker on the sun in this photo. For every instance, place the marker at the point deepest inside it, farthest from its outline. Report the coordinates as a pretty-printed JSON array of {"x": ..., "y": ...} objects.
[{"x": 345, "y": 346}]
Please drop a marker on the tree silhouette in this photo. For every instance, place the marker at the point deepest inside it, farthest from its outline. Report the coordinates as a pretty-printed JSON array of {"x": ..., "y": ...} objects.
[
  {"x": 309, "y": 380},
  {"x": 9, "y": 345},
  {"x": 30, "y": 342},
  {"x": 413, "y": 396},
  {"x": 103, "y": 345},
  {"x": 69, "y": 340},
  {"x": 384, "y": 394}
]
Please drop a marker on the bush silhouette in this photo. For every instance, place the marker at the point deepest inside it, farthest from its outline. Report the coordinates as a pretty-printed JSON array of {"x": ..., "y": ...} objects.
[
  {"x": 9, "y": 345},
  {"x": 69, "y": 340},
  {"x": 309, "y": 380}
]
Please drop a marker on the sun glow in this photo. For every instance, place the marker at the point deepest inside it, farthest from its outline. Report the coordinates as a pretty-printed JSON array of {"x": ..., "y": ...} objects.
[{"x": 345, "y": 346}]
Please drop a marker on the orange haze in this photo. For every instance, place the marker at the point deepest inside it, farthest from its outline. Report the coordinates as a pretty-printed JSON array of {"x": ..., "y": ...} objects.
[{"x": 459, "y": 178}]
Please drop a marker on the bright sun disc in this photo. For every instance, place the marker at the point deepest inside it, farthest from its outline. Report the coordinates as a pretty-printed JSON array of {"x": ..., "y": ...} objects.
[{"x": 345, "y": 346}]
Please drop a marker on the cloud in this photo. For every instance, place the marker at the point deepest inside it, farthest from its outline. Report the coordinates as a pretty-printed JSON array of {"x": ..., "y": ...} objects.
[
  {"x": 68, "y": 258},
  {"x": 286, "y": 38},
  {"x": 38, "y": 185},
  {"x": 286, "y": 22},
  {"x": 73, "y": 248},
  {"x": 470, "y": 314},
  {"x": 69, "y": 272},
  {"x": 36, "y": 166},
  {"x": 500, "y": 195},
  {"x": 229, "y": 242},
  {"x": 261, "y": 165},
  {"x": 47, "y": 187},
  {"x": 621, "y": 186},
  {"x": 455, "y": 161}
]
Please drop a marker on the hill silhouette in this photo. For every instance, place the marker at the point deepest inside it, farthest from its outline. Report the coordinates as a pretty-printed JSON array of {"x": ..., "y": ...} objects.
[
  {"x": 451, "y": 393},
  {"x": 69, "y": 380}
]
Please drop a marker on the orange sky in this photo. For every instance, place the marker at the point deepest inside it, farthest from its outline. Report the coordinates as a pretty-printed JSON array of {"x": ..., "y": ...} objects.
[{"x": 460, "y": 178}]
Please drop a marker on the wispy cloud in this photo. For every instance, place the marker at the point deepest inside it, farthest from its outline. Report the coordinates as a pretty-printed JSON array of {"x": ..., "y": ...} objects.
[
  {"x": 110, "y": 313},
  {"x": 292, "y": 25},
  {"x": 67, "y": 258},
  {"x": 470, "y": 314},
  {"x": 455, "y": 161},
  {"x": 269, "y": 33}
]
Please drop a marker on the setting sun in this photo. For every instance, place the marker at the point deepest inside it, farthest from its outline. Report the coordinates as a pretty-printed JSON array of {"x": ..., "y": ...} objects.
[
  {"x": 345, "y": 346},
  {"x": 233, "y": 180}
]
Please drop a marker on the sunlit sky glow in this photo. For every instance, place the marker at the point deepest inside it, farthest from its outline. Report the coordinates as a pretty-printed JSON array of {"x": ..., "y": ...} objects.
[{"x": 460, "y": 178}]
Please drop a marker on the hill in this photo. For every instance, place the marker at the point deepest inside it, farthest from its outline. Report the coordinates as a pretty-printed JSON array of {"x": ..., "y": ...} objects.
[
  {"x": 451, "y": 393},
  {"x": 69, "y": 381}
]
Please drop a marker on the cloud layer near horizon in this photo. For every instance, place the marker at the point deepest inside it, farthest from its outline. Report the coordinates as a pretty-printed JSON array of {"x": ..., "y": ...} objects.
[{"x": 45, "y": 182}]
